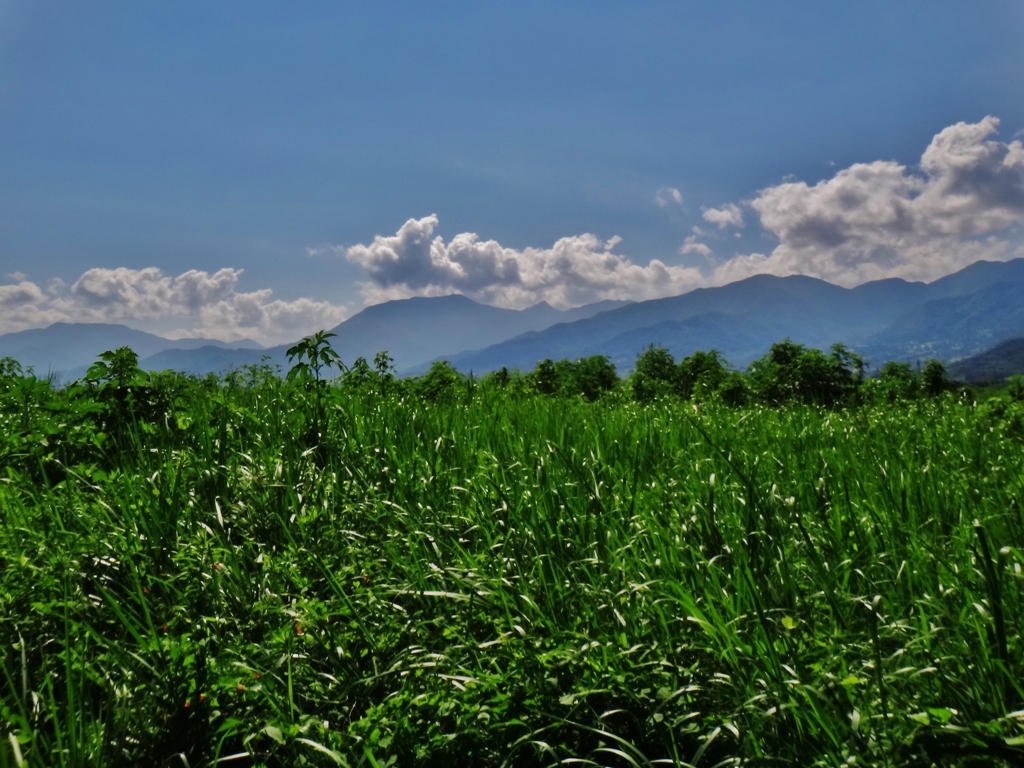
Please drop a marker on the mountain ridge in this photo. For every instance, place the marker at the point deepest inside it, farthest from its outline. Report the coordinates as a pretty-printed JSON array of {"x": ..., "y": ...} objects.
[
  {"x": 411, "y": 330},
  {"x": 61, "y": 347},
  {"x": 955, "y": 316},
  {"x": 951, "y": 318}
]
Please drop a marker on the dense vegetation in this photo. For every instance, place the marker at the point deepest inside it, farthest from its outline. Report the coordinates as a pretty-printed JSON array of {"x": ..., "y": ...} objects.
[{"x": 791, "y": 566}]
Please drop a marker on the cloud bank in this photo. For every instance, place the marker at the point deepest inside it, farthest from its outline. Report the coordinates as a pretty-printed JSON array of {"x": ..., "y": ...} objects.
[
  {"x": 880, "y": 219},
  {"x": 727, "y": 216},
  {"x": 963, "y": 202},
  {"x": 575, "y": 270},
  {"x": 208, "y": 305},
  {"x": 867, "y": 222}
]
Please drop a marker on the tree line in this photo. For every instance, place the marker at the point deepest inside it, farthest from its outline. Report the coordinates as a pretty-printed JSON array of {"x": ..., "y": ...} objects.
[{"x": 787, "y": 373}]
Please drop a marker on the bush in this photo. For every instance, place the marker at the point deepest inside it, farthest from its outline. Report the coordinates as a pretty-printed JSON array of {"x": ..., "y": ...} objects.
[
  {"x": 791, "y": 372},
  {"x": 934, "y": 380},
  {"x": 440, "y": 382},
  {"x": 589, "y": 377}
]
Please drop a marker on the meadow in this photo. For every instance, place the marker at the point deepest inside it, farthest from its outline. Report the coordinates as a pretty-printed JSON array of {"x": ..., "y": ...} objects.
[{"x": 254, "y": 570}]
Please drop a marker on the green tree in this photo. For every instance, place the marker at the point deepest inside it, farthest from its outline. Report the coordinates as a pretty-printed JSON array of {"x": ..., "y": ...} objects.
[
  {"x": 934, "y": 380},
  {"x": 896, "y": 381},
  {"x": 501, "y": 377},
  {"x": 593, "y": 376},
  {"x": 792, "y": 372},
  {"x": 440, "y": 382},
  {"x": 773, "y": 378},
  {"x": 654, "y": 375},
  {"x": 545, "y": 378},
  {"x": 590, "y": 377},
  {"x": 701, "y": 374},
  {"x": 734, "y": 390}
]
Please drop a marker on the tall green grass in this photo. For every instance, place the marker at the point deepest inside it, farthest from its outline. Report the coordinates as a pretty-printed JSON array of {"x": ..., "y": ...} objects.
[{"x": 506, "y": 581}]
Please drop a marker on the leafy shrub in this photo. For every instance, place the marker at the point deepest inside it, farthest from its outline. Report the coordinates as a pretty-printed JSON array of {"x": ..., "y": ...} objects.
[
  {"x": 440, "y": 384},
  {"x": 791, "y": 372},
  {"x": 589, "y": 377}
]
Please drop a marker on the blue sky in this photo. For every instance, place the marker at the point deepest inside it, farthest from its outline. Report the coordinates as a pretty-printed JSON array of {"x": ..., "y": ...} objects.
[{"x": 224, "y": 168}]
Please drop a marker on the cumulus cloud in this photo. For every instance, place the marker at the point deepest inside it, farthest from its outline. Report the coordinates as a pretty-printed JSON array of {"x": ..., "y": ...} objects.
[
  {"x": 692, "y": 244},
  {"x": 667, "y": 196},
  {"x": 575, "y": 270},
  {"x": 23, "y": 304},
  {"x": 869, "y": 221},
  {"x": 727, "y": 216},
  {"x": 882, "y": 219},
  {"x": 211, "y": 305}
]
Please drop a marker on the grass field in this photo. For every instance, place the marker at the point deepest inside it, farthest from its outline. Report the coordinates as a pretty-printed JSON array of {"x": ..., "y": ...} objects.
[{"x": 257, "y": 573}]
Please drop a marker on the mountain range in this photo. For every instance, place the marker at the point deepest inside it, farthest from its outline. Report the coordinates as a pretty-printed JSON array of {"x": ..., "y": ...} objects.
[
  {"x": 992, "y": 365},
  {"x": 63, "y": 348},
  {"x": 950, "y": 319},
  {"x": 413, "y": 331}
]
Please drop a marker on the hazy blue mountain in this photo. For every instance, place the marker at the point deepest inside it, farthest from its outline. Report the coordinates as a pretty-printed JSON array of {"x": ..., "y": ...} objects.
[
  {"x": 952, "y": 318},
  {"x": 413, "y": 331},
  {"x": 740, "y": 319},
  {"x": 416, "y": 331},
  {"x": 887, "y": 319},
  {"x": 210, "y": 359},
  {"x": 63, "y": 347},
  {"x": 979, "y": 275},
  {"x": 957, "y": 326},
  {"x": 992, "y": 365}
]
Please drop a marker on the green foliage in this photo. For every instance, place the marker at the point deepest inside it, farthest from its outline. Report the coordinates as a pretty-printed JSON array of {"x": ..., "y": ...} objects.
[
  {"x": 489, "y": 576},
  {"x": 654, "y": 375},
  {"x": 441, "y": 383},
  {"x": 793, "y": 373},
  {"x": 384, "y": 365},
  {"x": 119, "y": 368},
  {"x": 380, "y": 378},
  {"x": 313, "y": 357},
  {"x": 545, "y": 377},
  {"x": 358, "y": 375},
  {"x": 734, "y": 390},
  {"x": 590, "y": 377},
  {"x": 934, "y": 380},
  {"x": 587, "y": 377},
  {"x": 701, "y": 374},
  {"x": 1015, "y": 388},
  {"x": 10, "y": 369},
  {"x": 500, "y": 378}
]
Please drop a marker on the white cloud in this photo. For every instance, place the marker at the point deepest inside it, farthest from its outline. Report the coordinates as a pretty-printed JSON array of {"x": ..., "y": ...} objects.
[
  {"x": 210, "y": 304},
  {"x": 880, "y": 219},
  {"x": 668, "y": 195},
  {"x": 575, "y": 270},
  {"x": 24, "y": 305},
  {"x": 869, "y": 221},
  {"x": 693, "y": 245},
  {"x": 727, "y": 216}
]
